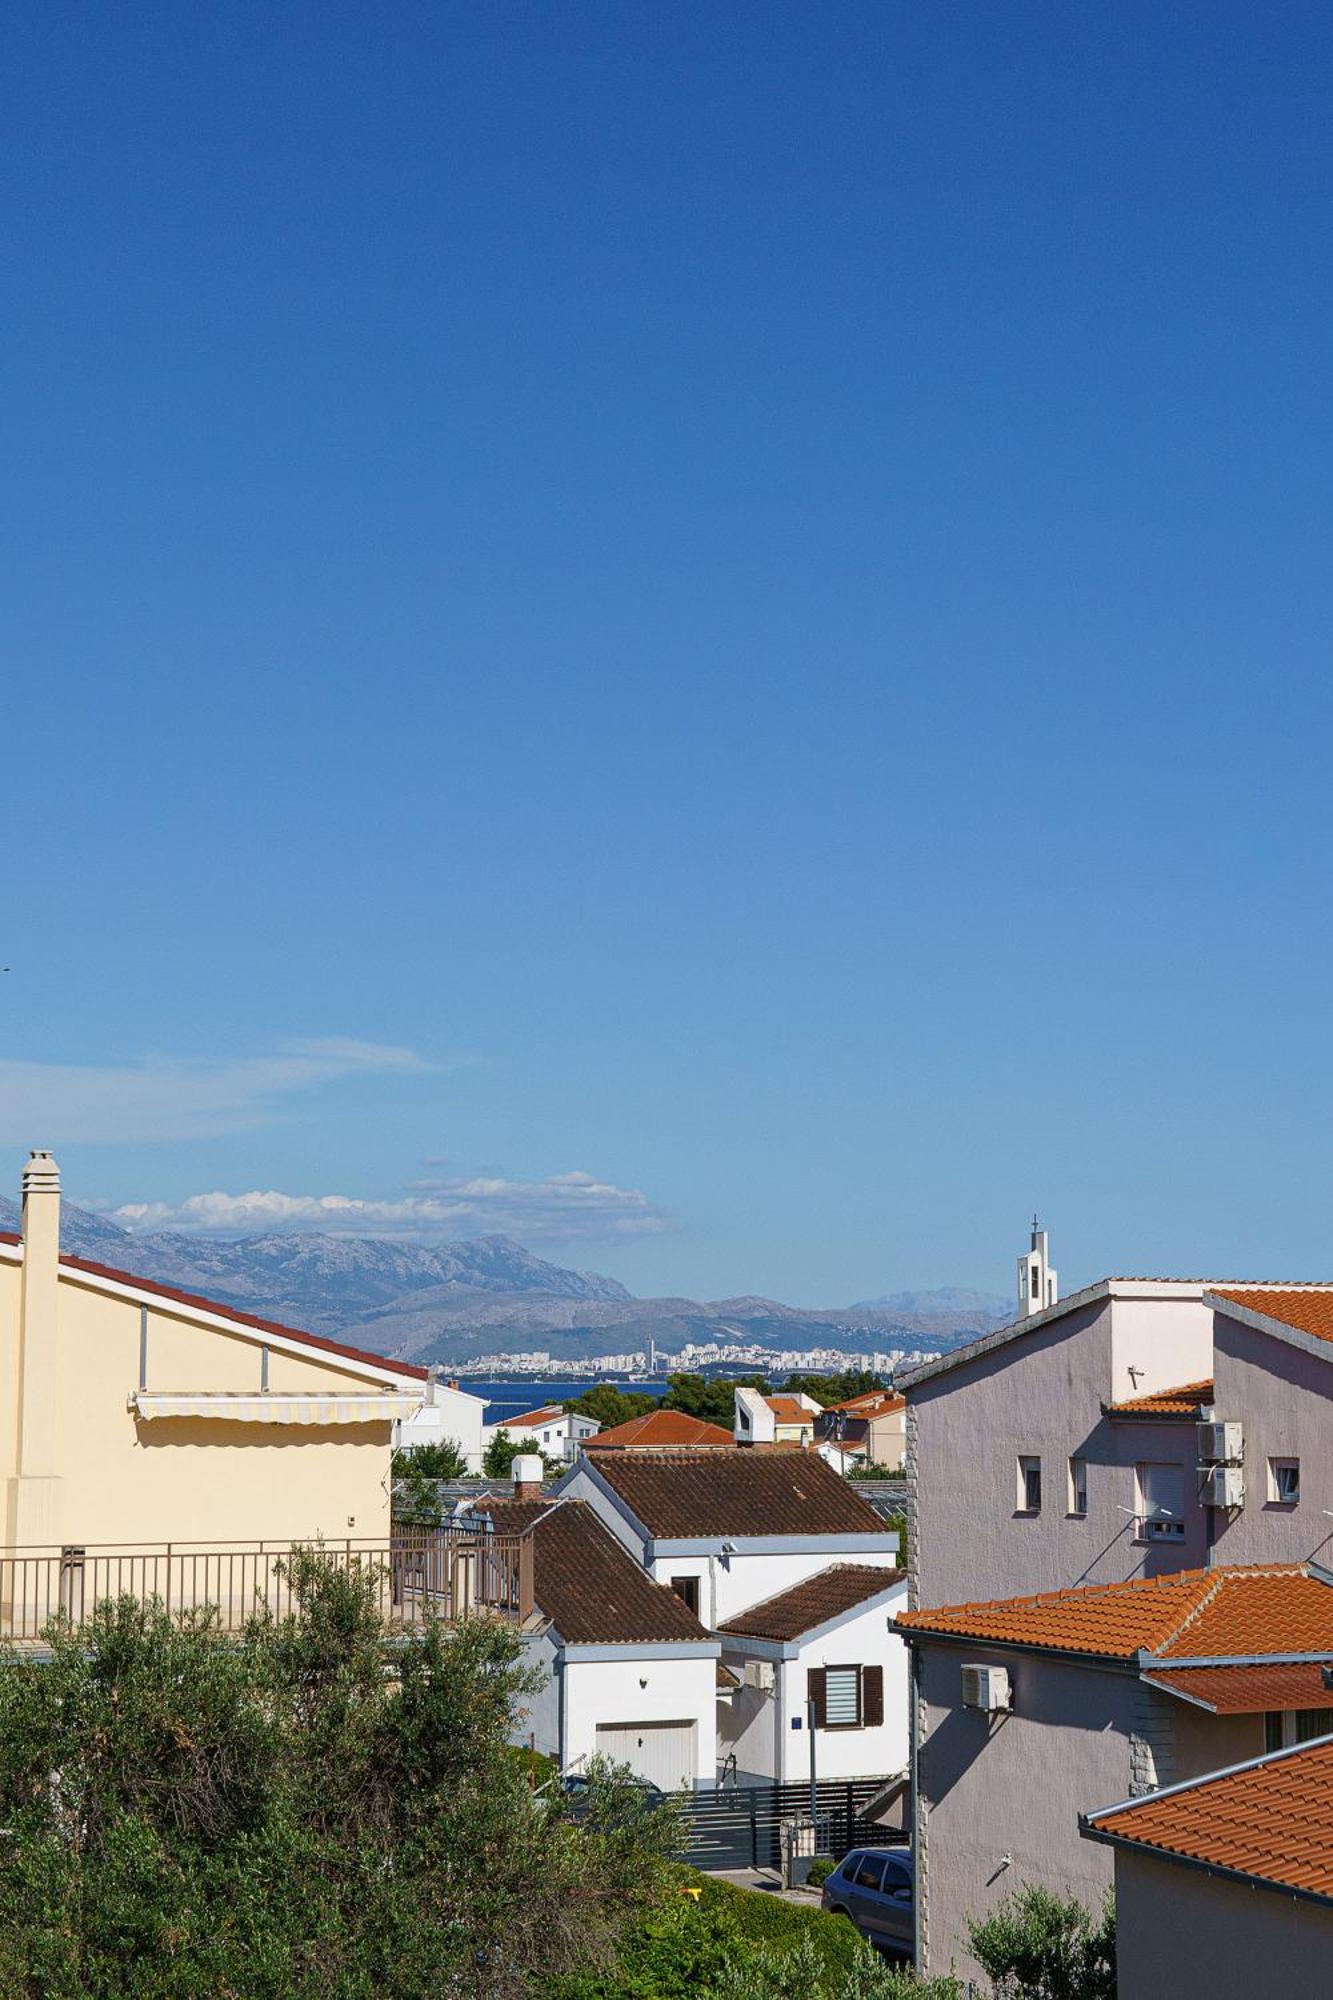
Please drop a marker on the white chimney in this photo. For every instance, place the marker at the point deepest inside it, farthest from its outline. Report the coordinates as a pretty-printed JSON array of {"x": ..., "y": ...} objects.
[
  {"x": 1038, "y": 1284},
  {"x": 527, "y": 1471},
  {"x": 34, "y": 1497}
]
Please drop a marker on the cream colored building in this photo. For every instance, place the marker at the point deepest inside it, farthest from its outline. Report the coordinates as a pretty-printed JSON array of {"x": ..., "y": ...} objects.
[{"x": 133, "y": 1414}]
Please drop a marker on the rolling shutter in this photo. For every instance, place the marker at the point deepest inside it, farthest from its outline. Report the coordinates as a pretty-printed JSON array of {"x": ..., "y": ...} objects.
[
  {"x": 815, "y": 1688},
  {"x": 872, "y": 1697}
]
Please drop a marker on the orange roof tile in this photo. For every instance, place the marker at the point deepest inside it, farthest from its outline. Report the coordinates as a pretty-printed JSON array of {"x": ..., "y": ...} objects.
[
  {"x": 660, "y": 1430},
  {"x": 1307, "y": 1308},
  {"x": 531, "y": 1418},
  {"x": 875, "y": 1403},
  {"x": 1271, "y": 1821},
  {"x": 1247, "y": 1690},
  {"x": 1181, "y": 1402},
  {"x": 1213, "y": 1614},
  {"x": 788, "y": 1410}
]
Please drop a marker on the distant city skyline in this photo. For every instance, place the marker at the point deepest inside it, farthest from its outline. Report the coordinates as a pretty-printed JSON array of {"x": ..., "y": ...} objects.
[{"x": 699, "y": 636}]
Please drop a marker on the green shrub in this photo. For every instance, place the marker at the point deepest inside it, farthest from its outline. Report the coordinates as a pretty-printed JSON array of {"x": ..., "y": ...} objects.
[
  {"x": 1038, "y": 1946},
  {"x": 820, "y": 1869}
]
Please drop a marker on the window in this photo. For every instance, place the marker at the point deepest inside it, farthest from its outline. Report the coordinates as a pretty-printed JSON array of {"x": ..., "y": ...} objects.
[
  {"x": 1284, "y": 1481},
  {"x": 1160, "y": 1507},
  {"x": 1029, "y": 1486},
  {"x": 846, "y": 1697},
  {"x": 1285, "y": 1727},
  {"x": 687, "y": 1590},
  {"x": 1035, "y": 1276},
  {"x": 870, "y": 1873},
  {"x": 1078, "y": 1485},
  {"x": 897, "y": 1881}
]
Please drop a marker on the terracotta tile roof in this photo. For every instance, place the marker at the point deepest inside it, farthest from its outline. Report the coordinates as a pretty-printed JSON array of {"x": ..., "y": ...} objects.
[
  {"x": 788, "y": 1410},
  {"x": 587, "y": 1584},
  {"x": 661, "y": 1430},
  {"x": 875, "y": 1403},
  {"x": 1307, "y": 1308},
  {"x": 1181, "y": 1402},
  {"x": 1248, "y": 1690},
  {"x": 1271, "y": 1821},
  {"x": 530, "y": 1418},
  {"x": 687, "y": 1495},
  {"x": 1212, "y": 1614},
  {"x": 832, "y": 1592},
  {"x": 240, "y": 1318},
  {"x": 726, "y": 1680}
]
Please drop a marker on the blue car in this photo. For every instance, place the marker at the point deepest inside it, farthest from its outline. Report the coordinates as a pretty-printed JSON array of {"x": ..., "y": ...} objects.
[{"x": 876, "y": 1888}]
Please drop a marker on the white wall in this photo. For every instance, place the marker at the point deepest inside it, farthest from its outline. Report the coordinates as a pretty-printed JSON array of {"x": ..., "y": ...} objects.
[
  {"x": 1167, "y": 1341},
  {"x": 449, "y": 1414},
  {"x": 680, "y": 1689},
  {"x": 731, "y": 1584}
]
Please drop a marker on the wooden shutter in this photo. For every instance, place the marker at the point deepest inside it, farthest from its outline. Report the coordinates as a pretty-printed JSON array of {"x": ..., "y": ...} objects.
[
  {"x": 814, "y": 1688},
  {"x": 872, "y": 1697}
]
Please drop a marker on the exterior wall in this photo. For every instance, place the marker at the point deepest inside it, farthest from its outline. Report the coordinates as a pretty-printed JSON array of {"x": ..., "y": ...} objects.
[
  {"x": 448, "y": 1416},
  {"x": 1078, "y": 1737},
  {"x": 1167, "y": 1341},
  {"x": 731, "y": 1584},
  {"x": 678, "y": 1689},
  {"x": 1203, "y": 1937},
  {"x": 769, "y": 1733},
  {"x": 1284, "y": 1397},
  {"x": 123, "y": 1479},
  {"x": 1040, "y": 1394}
]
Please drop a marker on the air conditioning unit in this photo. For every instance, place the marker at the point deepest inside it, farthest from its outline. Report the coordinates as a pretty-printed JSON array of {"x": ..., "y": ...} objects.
[
  {"x": 1223, "y": 1486},
  {"x": 988, "y": 1688},
  {"x": 759, "y": 1674},
  {"x": 1221, "y": 1443}
]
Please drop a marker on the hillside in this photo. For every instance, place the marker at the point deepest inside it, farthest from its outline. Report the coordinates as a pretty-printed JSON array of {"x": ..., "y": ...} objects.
[{"x": 490, "y": 1295}]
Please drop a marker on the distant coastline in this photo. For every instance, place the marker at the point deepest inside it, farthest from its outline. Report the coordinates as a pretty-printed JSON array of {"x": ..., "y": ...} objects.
[{"x": 513, "y": 1397}]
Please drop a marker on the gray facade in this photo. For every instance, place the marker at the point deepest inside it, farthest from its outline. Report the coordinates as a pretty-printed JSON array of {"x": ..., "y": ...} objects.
[{"x": 1196, "y": 1936}]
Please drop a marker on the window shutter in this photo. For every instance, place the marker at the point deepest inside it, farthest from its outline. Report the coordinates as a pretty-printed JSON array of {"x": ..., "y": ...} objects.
[
  {"x": 872, "y": 1697},
  {"x": 814, "y": 1687}
]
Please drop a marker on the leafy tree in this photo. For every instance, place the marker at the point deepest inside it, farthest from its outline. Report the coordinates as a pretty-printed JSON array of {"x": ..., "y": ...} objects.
[
  {"x": 609, "y": 1406},
  {"x": 859, "y": 1472},
  {"x": 304, "y": 1814},
  {"x": 1039, "y": 1946},
  {"x": 707, "y": 1398},
  {"x": 439, "y": 1460},
  {"x": 830, "y": 1389},
  {"x": 500, "y": 1453}
]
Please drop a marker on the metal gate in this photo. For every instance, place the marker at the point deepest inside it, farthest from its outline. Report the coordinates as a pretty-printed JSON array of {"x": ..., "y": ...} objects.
[{"x": 742, "y": 1828}]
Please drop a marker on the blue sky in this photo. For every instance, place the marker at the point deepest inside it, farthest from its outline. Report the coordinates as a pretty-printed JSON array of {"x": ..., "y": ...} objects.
[{"x": 733, "y": 601}]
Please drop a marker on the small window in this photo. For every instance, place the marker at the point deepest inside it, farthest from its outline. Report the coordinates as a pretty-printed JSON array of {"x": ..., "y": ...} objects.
[
  {"x": 870, "y": 1873},
  {"x": 1284, "y": 1481},
  {"x": 1078, "y": 1485},
  {"x": 842, "y": 1698},
  {"x": 1036, "y": 1281},
  {"x": 897, "y": 1881},
  {"x": 687, "y": 1590},
  {"x": 1286, "y": 1727},
  {"x": 1161, "y": 1502},
  {"x": 1029, "y": 1486}
]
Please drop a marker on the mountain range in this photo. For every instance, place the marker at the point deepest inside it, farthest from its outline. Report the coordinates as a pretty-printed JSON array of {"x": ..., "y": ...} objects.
[{"x": 489, "y": 1295}]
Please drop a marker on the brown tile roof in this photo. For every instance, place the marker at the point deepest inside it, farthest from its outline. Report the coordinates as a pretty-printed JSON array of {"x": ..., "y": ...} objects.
[
  {"x": 1248, "y": 1690},
  {"x": 1271, "y": 1820},
  {"x": 1181, "y": 1402},
  {"x": 661, "y": 1430},
  {"x": 726, "y": 1680},
  {"x": 875, "y": 1403},
  {"x": 587, "y": 1584},
  {"x": 1194, "y": 1614},
  {"x": 685, "y": 1495},
  {"x": 833, "y": 1591},
  {"x": 241, "y": 1318},
  {"x": 1307, "y": 1308}
]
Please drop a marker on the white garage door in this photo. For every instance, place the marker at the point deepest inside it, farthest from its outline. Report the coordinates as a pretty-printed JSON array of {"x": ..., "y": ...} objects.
[{"x": 662, "y": 1752}]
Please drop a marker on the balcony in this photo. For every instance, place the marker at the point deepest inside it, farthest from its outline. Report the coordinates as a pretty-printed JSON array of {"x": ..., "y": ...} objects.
[{"x": 417, "y": 1574}]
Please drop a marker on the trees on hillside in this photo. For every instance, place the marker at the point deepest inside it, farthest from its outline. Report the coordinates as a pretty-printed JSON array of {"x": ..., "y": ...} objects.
[
  {"x": 609, "y": 1406},
  {"x": 711, "y": 1400}
]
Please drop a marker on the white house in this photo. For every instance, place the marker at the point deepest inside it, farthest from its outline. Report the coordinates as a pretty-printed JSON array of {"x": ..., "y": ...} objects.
[
  {"x": 782, "y": 1537},
  {"x": 785, "y": 1419},
  {"x": 556, "y": 1433},
  {"x": 821, "y": 1647},
  {"x": 629, "y": 1672},
  {"x": 448, "y": 1415}
]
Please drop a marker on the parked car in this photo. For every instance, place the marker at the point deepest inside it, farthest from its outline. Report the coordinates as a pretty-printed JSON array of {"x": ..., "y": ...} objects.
[{"x": 876, "y": 1888}]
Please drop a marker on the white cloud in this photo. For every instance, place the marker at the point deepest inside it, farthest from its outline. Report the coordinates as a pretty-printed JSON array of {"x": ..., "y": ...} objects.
[
  {"x": 572, "y": 1207},
  {"x": 160, "y": 1098}
]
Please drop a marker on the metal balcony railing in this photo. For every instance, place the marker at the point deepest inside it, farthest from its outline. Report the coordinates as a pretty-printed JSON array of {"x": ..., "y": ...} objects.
[{"x": 415, "y": 1574}]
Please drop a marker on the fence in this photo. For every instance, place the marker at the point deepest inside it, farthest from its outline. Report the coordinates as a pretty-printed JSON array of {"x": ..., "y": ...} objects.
[
  {"x": 415, "y": 1574},
  {"x": 743, "y": 1828}
]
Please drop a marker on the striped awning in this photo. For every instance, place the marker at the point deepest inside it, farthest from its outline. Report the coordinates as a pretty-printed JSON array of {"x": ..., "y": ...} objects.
[{"x": 374, "y": 1406}]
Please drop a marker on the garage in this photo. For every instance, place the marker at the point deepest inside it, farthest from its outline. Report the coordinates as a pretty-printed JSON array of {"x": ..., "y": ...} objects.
[{"x": 662, "y": 1752}]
